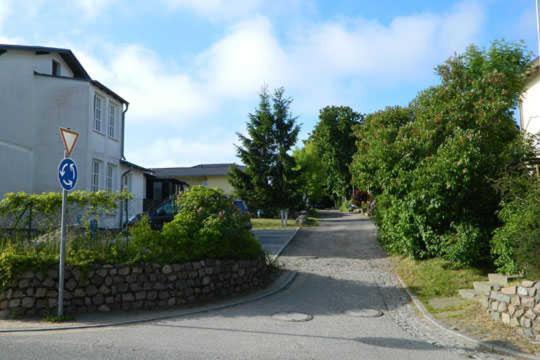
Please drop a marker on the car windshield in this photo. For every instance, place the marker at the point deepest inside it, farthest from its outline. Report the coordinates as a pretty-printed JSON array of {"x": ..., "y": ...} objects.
[
  {"x": 241, "y": 205},
  {"x": 167, "y": 208}
]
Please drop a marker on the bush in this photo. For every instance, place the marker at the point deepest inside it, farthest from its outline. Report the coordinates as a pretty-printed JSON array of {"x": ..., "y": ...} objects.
[
  {"x": 516, "y": 244},
  {"x": 208, "y": 225},
  {"x": 431, "y": 166}
]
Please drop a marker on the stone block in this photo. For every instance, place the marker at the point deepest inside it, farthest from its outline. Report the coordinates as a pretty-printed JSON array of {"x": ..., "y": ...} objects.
[
  {"x": 98, "y": 299},
  {"x": 511, "y": 309},
  {"x": 91, "y": 290},
  {"x": 71, "y": 284},
  {"x": 502, "y": 298},
  {"x": 532, "y": 291},
  {"x": 526, "y": 323},
  {"x": 125, "y": 270},
  {"x": 102, "y": 272},
  {"x": 128, "y": 297},
  {"x": 502, "y": 307},
  {"x": 530, "y": 314},
  {"x": 505, "y": 318},
  {"x": 516, "y": 300},
  {"x": 511, "y": 290},
  {"x": 41, "y": 292},
  {"x": 167, "y": 269},
  {"x": 514, "y": 322},
  {"x": 522, "y": 291},
  {"x": 171, "y": 302},
  {"x": 536, "y": 309},
  {"x": 519, "y": 312},
  {"x": 140, "y": 295},
  {"x": 13, "y": 303},
  {"x": 163, "y": 295},
  {"x": 528, "y": 283},
  {"x": 495, "y": 316},
  {"x": 527, "y": 301}
]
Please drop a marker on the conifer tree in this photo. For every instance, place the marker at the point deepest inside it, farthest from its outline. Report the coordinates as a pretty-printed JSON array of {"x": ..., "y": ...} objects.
[{"x": 268, "y": 181}]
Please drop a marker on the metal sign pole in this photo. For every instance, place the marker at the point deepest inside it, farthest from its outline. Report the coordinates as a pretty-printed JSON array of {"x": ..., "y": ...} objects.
[{"x": 62, "y": 253}]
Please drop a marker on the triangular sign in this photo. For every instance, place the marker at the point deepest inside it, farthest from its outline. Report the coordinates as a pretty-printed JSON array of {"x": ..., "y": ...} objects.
[{"x": 69, "y": 137}]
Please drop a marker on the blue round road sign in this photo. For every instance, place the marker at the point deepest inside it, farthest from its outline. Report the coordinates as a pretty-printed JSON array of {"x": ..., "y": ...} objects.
[{"x": 67, "y": 174}]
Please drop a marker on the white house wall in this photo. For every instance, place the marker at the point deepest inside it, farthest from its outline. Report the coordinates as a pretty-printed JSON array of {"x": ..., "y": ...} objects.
[
  {"x": 59, "y": 103},
  {"x": 530, "y": 107},
  {"x": 16, "y": 122}
]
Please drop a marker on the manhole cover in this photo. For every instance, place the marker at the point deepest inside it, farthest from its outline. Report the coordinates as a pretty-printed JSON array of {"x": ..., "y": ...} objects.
[
  {"x": 366, "y": 313},
  {"x": 292, "y": 316}
]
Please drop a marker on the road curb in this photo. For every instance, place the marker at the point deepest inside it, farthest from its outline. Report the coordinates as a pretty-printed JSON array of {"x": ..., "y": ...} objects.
[
  {"x": 280, "y": 284},
  {"x": 478, "y": 343},
  {"x": 287, "y": 243}
]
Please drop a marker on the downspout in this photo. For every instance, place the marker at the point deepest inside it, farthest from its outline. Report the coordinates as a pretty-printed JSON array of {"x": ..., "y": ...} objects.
[
  {"x": 124, "y": 130},
  {"x": 125, "y": 204}
]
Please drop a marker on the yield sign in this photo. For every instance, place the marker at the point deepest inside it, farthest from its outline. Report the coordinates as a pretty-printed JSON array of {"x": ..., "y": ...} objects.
[{"x": 69, "y": 137}]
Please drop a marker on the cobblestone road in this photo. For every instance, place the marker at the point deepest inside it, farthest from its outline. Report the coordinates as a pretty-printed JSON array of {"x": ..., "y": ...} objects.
[{"x": 342, "y": 276}]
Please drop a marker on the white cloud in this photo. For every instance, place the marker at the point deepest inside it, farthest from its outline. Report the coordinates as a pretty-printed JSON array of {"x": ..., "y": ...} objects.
[
  {"x": 218, "y": 9},
  {"x": 156, "y": 93},
  {"x": 245, "y": 59},
  {"x": 181, "y": 151},
  {"x": 322, "y": 62},
  {"x": 92, "y": 8}
]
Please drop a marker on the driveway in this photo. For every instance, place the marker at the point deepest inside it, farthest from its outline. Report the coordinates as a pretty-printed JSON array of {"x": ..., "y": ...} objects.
[
  {"x": 274, "y": 241},
  {"x": 343, "y": 281}
]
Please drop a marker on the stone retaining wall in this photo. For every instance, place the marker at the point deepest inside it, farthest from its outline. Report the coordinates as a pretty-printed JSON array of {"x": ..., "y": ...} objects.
[
  {"x": 516, "y": 306},
  {"x": 113, "y": 287}
]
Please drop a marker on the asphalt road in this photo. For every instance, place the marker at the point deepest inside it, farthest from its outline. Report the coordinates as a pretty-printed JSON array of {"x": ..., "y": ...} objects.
[
  {"x": 273, "y": 241},
  {"x": 342, "y": 272}
]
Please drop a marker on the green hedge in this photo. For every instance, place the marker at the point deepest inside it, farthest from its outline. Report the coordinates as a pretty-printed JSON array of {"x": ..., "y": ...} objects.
[{"x": 208, "y": 226}]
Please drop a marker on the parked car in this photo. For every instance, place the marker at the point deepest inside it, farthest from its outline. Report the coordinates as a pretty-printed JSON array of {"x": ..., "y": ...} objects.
[{"x": 168, "y": 209}]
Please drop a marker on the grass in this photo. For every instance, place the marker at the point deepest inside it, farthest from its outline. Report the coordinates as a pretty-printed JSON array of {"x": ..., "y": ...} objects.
[
  {"x": 272, "y": 224},
  {"x": 435, "y": 278}
]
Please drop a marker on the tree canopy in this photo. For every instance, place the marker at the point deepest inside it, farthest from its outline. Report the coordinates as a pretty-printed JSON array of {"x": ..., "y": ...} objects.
[
  {"x": 432, "y": 165},
  {"x": 268, "y": 181}
]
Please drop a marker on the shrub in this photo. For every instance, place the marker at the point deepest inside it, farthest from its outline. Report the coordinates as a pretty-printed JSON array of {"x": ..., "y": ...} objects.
[
  {"x": 516, "y": 244},
  {"x": 208, "y": 225},
  {"x": 431, "y": 166}
]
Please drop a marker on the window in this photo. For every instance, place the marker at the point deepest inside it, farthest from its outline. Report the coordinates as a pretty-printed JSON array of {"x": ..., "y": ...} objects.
[
  {"x": 55, "y": 68},
  {"x": 158, "y": 193},
  {"x": 96, "y": 174},
  {"x": 112, "y": 119},
  {"x": 111, "y": 170},
  {"x": 127, "y": 183},
  {"x": 99, "y": 112}
]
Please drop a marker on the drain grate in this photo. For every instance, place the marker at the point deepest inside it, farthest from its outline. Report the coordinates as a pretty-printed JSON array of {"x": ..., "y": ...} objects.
[
  {"x": 292, "y": 316},
  {"x": 365, "y": 313}
]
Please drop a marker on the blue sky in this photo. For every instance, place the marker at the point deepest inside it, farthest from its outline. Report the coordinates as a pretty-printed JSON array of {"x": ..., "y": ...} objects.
[{"x": 192, "y": 69}]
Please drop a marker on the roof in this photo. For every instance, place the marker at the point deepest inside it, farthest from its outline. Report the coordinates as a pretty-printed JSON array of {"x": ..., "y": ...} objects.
[
  {"x": 195, "y": 171},
  {"x": 135, "y": 166},
  {"x": 79, "y": 73},
  {"x": 66, "y": 54}
]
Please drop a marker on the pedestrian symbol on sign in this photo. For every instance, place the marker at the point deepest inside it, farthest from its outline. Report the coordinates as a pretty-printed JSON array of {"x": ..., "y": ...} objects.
[{"x": 67, "y": 174}]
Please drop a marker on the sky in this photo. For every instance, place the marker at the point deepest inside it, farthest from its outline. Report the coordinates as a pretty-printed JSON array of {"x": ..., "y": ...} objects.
[{"x": 192, "y": 69}]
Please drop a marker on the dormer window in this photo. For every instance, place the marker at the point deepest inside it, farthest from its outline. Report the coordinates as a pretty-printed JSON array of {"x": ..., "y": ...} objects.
[{"x": 55, "y": 68}]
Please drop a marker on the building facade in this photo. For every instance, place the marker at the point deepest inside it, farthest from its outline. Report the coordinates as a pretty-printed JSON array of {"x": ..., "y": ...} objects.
[{"x": 41, "y": 90}]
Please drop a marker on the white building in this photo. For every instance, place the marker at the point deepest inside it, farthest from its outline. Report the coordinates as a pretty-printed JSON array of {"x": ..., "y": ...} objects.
[
  {"x": 43, "y": 89},
  {"x": 529, "y": 106}
]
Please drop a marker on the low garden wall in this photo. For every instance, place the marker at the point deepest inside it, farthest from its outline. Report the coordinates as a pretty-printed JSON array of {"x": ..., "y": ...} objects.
[
  {"x": 517, "y": 306},
  {"x": 112, "y": 287}
]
